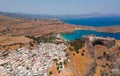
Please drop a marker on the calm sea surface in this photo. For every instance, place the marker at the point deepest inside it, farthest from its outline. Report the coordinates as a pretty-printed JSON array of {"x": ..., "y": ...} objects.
[
  {"x": 77, "y": 34},
  {"x": 96, "y": 21}
]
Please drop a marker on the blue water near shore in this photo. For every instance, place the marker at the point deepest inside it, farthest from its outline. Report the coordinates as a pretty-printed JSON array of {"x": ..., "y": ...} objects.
[
  {"x": 95, "y": 21},
  {"x": 77, "y": 34}
]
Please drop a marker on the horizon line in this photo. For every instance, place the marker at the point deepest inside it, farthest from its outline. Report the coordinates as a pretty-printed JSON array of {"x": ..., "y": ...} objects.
[{"x": 59, "y": 14}]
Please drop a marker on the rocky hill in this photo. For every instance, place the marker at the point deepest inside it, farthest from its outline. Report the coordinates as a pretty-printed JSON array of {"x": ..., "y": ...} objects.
[
  {"x": 16, "y": 29},
  {"x": 24, "y": 27},
  {"x": 16, "y": 33}
]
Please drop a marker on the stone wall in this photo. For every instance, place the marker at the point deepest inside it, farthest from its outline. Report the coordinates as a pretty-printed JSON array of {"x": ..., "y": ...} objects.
[
  {"x": 110, "y": 43},
  {"x": 90, "y": 42}
]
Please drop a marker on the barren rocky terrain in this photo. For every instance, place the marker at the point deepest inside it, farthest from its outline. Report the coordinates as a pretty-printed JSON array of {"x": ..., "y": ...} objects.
[
  {"x": 18, "y": 27},
  {"x": 106, "y": 61},
  {"x": 24, "y": 27}
]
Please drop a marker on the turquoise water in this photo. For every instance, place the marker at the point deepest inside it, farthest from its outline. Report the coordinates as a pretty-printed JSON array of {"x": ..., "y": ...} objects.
[
  {"x": 95, "y": 21},
  {"x": 77, "y": 34}
]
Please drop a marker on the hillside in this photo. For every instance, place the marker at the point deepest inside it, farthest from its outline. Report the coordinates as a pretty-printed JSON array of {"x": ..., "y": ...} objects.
[{"x": 24, "y": 27}]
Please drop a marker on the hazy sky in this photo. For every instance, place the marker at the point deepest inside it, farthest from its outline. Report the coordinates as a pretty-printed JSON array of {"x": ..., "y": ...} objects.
[{"x": 60, "y": 6}]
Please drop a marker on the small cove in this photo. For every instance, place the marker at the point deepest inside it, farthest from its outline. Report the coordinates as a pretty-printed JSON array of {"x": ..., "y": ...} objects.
[{"x": 77, "y": 34}]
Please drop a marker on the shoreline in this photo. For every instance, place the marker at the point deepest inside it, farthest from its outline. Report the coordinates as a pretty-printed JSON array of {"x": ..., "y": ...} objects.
[
  {"x": 107, "y": 29},
  {"x": 97, "y": 33},
  {"x": 50, "y": 27},
  {"x": 61, "y": 37}
]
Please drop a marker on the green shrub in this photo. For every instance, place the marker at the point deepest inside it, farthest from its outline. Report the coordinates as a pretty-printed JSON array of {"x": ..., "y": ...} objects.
[
  {"x": 77, "y": 51},
  {"x": 60, "y": 63},
  {"x": 65, "y": 62},
  {"x": 50, "y": 72},
  {"x": 45, "y": 38},
  {"x": 82, "y": 54},
  {"x": 77, "y": 44}
]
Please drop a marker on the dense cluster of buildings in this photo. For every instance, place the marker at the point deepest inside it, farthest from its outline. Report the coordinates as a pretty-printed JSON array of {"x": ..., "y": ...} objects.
[{"x": 24, "y": 62}]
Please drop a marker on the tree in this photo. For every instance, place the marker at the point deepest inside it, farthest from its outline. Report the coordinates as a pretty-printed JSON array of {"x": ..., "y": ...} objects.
[
  {"x": 50, "y": 73},
  {"x": 82, "y": 54}
]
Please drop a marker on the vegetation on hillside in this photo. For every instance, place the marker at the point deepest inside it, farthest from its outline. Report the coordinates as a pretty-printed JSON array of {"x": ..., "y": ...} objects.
[
  {"x": 77, "y": 44},
  {"x": 47, "y": 38}
]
